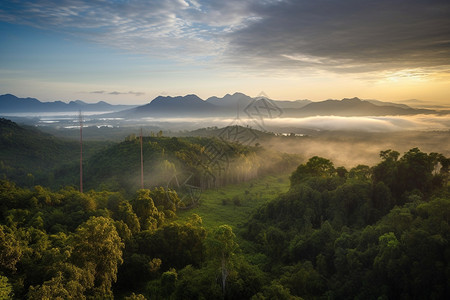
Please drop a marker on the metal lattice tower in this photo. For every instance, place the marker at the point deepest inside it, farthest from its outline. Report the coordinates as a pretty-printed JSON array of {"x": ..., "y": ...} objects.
[
  {"x": 81, "y": 151},
  {"x": 142, "y": 163}
]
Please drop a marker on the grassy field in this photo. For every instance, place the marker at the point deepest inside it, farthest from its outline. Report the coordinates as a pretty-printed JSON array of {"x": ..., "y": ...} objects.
[{"x": 234, "y": 204}]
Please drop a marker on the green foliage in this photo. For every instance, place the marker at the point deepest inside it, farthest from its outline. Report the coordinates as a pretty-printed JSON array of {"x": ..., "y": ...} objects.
[
  {"x": 221, "y": 248},
  {"x": 341, "y": 235},
  {"x": 164, "y": 158},
  {"x": 148, "y": 214},
  {"x": 302, "y": 279},
  {"x": 98, "y": 247},
  {"x": 29, "y": 156},
  {"x": 6, "y": 291},
  {"x": 367, "y": 233},
  {"x": 315, "y": 167},
  {"x": 275, "y": 291},
  {"x": 133, "y": 296},
  {"x": 177, "y": 245},
  {"x": 168, "y": 281},
  {"x": 215, "y": 211},
  {"x": 10, "y": 251},
  {"x": 413, "y": 171},
  {"x": 226, "y": 274},
  {"x": 70, "y": 245},
  {"x": 195, "y": 283},
  {"x": 57, "y": 288}
]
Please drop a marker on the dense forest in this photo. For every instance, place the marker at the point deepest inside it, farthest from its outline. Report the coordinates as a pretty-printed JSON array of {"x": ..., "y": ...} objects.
[
  {"x": 370, "y": 232},
  {"x": 367, "y": 233},
  {"x": 30, "y": 157}
]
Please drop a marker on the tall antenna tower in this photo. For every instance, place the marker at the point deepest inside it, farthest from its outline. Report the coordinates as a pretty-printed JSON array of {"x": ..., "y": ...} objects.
[
  {"x": 142, "y": 163},
  {"x": 81, "y": 151}
]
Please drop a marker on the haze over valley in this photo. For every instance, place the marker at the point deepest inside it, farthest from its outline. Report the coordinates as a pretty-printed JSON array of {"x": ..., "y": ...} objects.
[{"x": 350, "y": 131}]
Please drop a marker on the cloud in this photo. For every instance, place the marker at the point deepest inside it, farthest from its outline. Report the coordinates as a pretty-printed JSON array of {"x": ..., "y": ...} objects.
[
  {"x": 128, "y": 93},
  {"x": 116, "y": 93},
  {"x": 348, "y": 36},
  {"x": 303, "y": 36},
  {"x": 167, "y": 28}
]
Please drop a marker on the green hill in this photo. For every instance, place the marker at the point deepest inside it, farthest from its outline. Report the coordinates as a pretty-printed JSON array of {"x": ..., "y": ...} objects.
[
  {"x": 29, "y": 156},
  {"x": 205, "y": 161},
  {"x": 367, "y": 233}
]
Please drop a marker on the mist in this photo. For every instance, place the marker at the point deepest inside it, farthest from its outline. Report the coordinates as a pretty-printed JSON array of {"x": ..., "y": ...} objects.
[
  {"x": 318, "y": 123},
  {"x": 347, "y": 141},
  {"x": 349, "y": 149},
  {"x": 366, "y": 124},
  {"x": 425, "y": 122}
]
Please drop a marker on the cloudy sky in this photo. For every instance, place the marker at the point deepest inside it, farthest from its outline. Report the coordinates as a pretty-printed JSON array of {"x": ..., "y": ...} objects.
[{"x": 130, "y": 51}]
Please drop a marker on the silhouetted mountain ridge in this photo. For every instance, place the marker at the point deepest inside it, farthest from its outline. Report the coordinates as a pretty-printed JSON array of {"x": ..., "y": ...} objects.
[
  {"x": 352, "y": 107},
  {"x": 12, "y": 104},
  {"x": 192, "y": 105},
  {"x": 172, "y": 106},
  {"x": 228, "y": 106},
  {"x": 231, "y": 101}
]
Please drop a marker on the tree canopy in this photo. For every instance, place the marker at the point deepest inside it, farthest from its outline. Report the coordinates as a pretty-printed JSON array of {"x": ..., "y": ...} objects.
[{"x": 370, "y": 232}]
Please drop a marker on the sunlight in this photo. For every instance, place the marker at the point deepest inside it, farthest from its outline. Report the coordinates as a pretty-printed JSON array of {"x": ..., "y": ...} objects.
[{"x": 407, "y": 76}]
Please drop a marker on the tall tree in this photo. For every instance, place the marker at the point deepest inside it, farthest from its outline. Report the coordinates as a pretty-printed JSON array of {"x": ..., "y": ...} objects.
[
  {"x": 10, "y": 251},
  {"x": 222, "y": 247},
  {"x": 97, "y": 246}
]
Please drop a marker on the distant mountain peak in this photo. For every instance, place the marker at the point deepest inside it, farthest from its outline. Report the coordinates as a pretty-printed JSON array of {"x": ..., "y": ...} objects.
[
  {"x": 12, "y": 104},
  {"x": 192, "y": 96},
  {"x": 167, "y": 99},
  {"x": 230, "y": 101},
  {"x": 354, "y": 107},
  {"x": 354, "y": 99},
  {"x": 9, "y": 96},
  {"x": 78, "y": 102}
]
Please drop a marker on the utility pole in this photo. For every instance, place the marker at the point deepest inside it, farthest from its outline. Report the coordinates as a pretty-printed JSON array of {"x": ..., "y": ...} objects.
[
  {"x": 81, "y": 151},
  {"x": 142, "y": 164}
]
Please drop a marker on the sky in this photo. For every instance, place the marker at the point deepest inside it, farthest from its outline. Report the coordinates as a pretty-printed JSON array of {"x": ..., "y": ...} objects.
[{"x": 131, "y": 51}]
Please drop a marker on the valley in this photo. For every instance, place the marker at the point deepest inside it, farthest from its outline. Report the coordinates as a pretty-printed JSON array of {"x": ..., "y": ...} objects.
[{"x": 313, "y": 208}]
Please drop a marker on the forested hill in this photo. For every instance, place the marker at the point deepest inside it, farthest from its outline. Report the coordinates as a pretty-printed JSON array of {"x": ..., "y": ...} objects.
[
  {"x": 377, "y": 232},
  {"x": 29, "y": 156},
  {"x": 209, "y": 161}
]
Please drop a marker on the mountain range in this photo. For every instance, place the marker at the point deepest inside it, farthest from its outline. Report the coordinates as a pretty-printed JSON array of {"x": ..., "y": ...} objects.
[
  {"x": 172, "y": 106},
  {"x": 352, "y": 107},
  {"x": 241, "y": 104},
  {"x": 229, "y": 105},
  {"x": 12, "y": 104}
]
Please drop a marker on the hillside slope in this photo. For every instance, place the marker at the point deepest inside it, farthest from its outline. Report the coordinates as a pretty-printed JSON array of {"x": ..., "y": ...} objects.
[
  {"x": 29, "y": 156},
  {"x": 204, "y": 162}
]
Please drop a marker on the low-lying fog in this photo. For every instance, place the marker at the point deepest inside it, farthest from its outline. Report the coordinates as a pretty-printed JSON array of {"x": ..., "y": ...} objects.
[
  {"x": 350, "y": 148},
  {"x": 367, "y": 124},
  {"x": 348, "y": 141}
]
